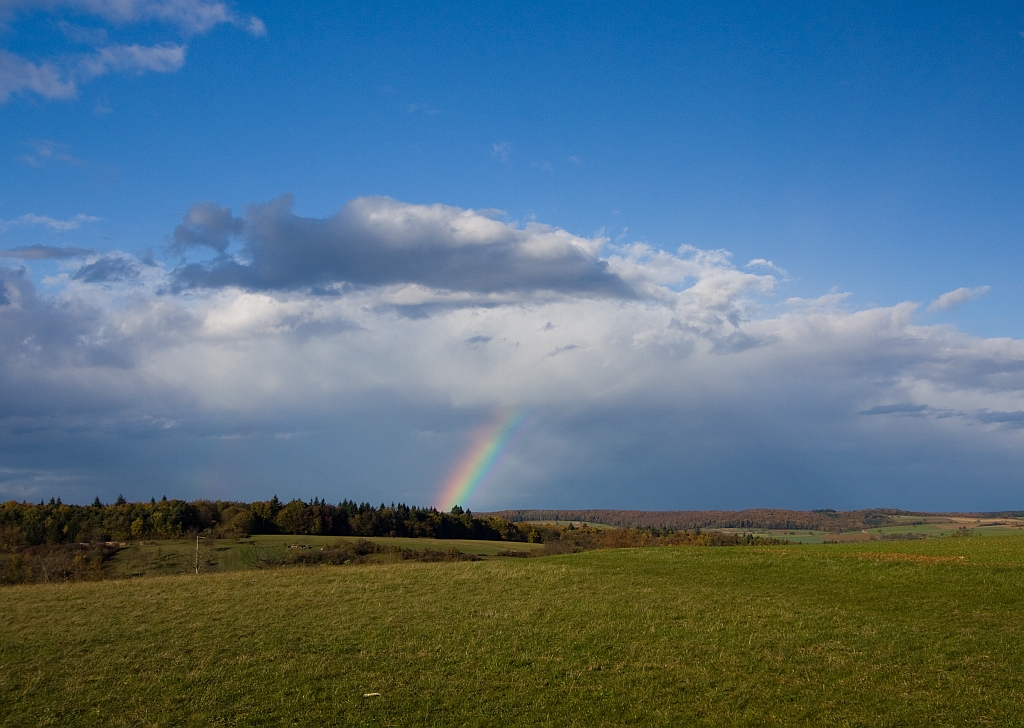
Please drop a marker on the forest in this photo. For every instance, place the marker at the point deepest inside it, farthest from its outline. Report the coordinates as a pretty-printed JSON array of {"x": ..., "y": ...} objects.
[{"x": 32, "y": 524}]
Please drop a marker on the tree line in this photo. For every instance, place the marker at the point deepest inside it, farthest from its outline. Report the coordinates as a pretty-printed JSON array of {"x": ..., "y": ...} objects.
[
  {"x": 30, "y": 524},
  {"x": 55, "y": 541}
]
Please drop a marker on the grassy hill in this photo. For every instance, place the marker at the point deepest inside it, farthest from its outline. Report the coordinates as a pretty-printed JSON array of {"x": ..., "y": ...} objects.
[{"x": 885, "y": 633}]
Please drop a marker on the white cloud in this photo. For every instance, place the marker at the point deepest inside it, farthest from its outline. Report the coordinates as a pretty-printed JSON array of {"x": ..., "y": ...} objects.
[
  {"x": 57, "y": 226},
  {"x": 762, "y": 263},
  {"x": 46, "y": 79},
  {"x": 952, "y": 299},
  {"x": 53, "y": 82},
  {"x": 256, "y": 26},
  {"x": 690, "y": 389},
  {"x": 59, "y": 77},
  {"x": 192, "y": 16},
  {"x": 164, "y": 58}
]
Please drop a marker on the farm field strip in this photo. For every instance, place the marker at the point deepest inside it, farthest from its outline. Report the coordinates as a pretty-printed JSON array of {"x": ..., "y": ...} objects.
[{"x": 931, "y": 526}]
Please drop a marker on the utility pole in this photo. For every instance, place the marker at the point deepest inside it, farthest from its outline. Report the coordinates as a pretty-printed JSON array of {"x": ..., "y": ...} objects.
[{"x": 197, "y": 553}]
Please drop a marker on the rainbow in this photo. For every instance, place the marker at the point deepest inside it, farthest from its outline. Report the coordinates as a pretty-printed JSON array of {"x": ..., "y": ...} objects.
[{"x": 480, "y": 460}]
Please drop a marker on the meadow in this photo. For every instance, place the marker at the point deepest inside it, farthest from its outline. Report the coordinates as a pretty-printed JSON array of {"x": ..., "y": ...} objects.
[
  {"x": 177, "y": 556},
  {"x": 885, "y": 633}
]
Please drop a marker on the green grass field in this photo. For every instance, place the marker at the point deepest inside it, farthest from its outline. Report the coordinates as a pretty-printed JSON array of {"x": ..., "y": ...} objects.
[
  {"x": 148, "y": 558},
  {"x": 883, "y": 633},
  {"x": 796, "y": 535}
]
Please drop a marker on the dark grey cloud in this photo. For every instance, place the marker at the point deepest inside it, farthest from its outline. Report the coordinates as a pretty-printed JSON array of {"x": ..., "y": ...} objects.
[
  {"x": 109, "y": 269},
  {"x": 1012, "y": 419},
  {"x": 377, "y": 241},
  {"x": 736, "y": 342},
  {"x": 206, "y": 225},
  {"x": 426, "y": 310},
  {"x": 892, "y": 409},
  {"x": 15, "y": 285},
  {"x": 43, "y": 341},
  {"x": 43, "y": 252}
]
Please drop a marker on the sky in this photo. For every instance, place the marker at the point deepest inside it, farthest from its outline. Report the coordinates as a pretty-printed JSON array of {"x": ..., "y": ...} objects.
[{"x": 707, "y": 255}]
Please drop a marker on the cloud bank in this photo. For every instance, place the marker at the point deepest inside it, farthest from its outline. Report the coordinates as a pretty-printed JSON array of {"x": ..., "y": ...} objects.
[{"x": 353, "y": 356}]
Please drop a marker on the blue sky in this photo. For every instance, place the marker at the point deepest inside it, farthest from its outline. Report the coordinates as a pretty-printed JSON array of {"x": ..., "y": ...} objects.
[{"x": 475, "y": 174}]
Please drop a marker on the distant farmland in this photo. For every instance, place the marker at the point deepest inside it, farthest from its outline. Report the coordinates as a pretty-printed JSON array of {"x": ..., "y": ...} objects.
[
  {"x": 817, "y": 526},
  {"x": 920, "y": 632}
]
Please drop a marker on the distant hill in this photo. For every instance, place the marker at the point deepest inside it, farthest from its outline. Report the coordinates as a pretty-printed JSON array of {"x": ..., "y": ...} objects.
[{"x": 822, "y": 520}]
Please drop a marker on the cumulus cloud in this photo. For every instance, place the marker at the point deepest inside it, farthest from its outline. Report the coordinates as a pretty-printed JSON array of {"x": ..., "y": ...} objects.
[
  {"x": 693, "y": 390},
  {"x": 60, "y": 77},
  {"x": 109, "y": 269},
  {"x": 378, "y": 241},
  {"x": 952, "y": 299},
  {"x": 206, "y": 225}
]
